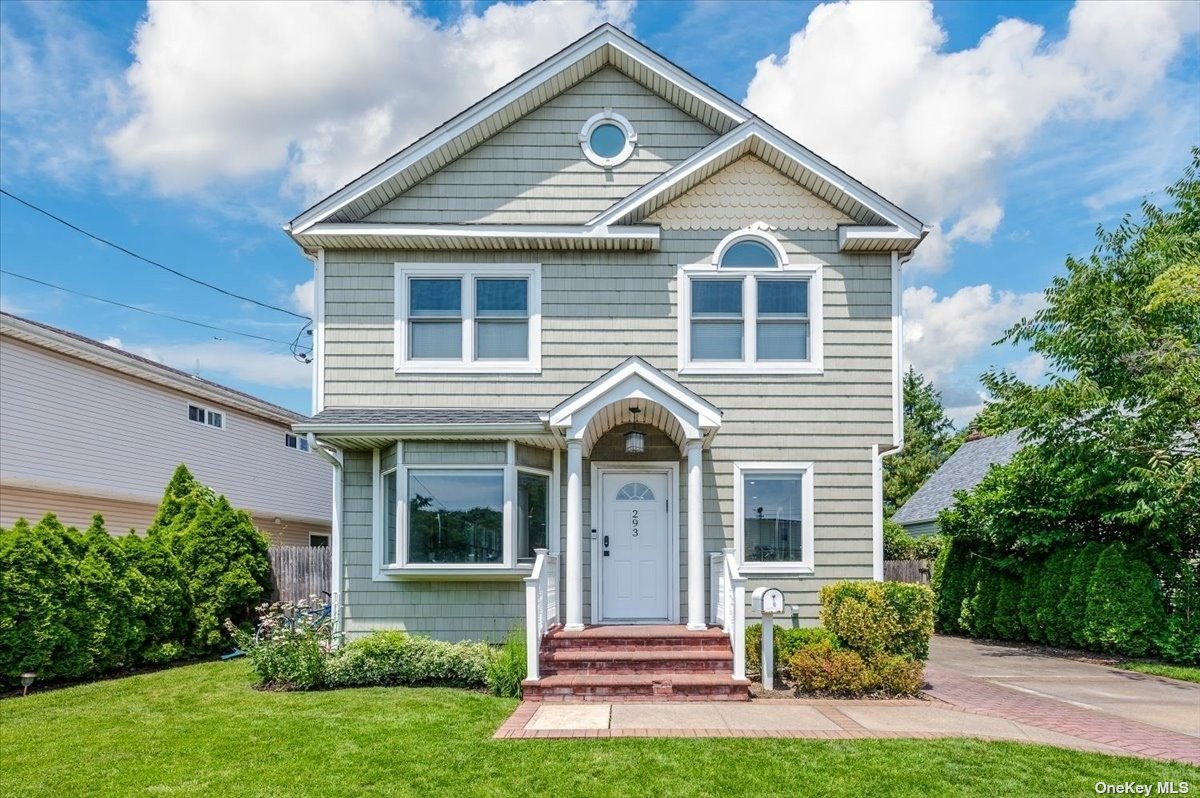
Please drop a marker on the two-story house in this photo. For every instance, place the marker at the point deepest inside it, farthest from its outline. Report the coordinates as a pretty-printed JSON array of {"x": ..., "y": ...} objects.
[
  {"x": 596, "y": 358},
  {"x": 89, "y": 428}
]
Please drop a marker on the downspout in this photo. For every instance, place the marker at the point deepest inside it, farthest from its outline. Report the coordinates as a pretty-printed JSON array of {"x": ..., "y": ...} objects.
[
  {"x": 897, "y": 446},
  {"x": 333, "y": 455}
]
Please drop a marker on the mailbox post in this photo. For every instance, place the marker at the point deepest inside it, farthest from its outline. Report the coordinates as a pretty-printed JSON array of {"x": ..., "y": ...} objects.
[{"x": 768, "y": 601}]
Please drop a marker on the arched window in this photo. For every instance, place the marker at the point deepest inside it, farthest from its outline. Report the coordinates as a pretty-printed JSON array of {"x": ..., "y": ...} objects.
[
  {"x": 635, "y": 492},
  {"x": 749, "y": 253}
]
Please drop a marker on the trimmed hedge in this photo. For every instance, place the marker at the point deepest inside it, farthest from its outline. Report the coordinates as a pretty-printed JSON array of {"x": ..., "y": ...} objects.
[
  {"x": 1108, "y": 598},
  {"x": 75, "y": 605},
  {"x": 400, "y": 659}
]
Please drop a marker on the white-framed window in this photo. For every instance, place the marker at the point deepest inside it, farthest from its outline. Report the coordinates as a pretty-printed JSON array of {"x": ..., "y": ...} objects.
[
  {"x": 318, "y": 541},
  {"x": 466, "y": 517},
  {"x": 298, "y": 442},
  {"x": 750, "y": 310},
  {"x": 607, "y": 139},
  {"x": 202, "y": 415},
  {"x": 468, "y": 318},
  {"x": 773, "y": 517}
]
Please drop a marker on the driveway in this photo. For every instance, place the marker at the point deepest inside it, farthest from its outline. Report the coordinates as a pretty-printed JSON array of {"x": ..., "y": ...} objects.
[{"x": 1135, "y": 712}]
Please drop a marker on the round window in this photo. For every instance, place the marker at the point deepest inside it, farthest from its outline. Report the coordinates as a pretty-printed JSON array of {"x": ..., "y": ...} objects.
[{"x": 607, "y": 139}]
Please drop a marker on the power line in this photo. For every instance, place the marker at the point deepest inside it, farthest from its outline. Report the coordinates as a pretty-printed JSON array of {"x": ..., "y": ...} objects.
[
  {"x": 292, "y": 344},
  {"x": 144, "y": 259}
]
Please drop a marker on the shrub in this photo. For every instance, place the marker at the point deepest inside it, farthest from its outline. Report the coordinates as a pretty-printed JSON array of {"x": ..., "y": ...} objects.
[
  {"x": 876, "y": 618},
  {"x": 225, "y": 562},
  {"x": 821, "y": 668},
  {"x": 1180, "y": 637},
  {"x": 913, "y": 605},
  {"x": 508, "y": 668},
  {"x": 897, "y": 543},
  {"x": 928, "y": 547},
  {"x": 1052, "y": 588},
  {"x": 1027, "y": 605},
  {"x": 951, "y": 579},
  {"x": 1006, "y": 618},
  {"x": 397, "y": 658},
  {"x": 290, "y": 647},
  {"x": 1125, "y": 606},
  {"x": 787, "y": 642},
  {"x": 1072, "y": 606},
  {"x": 160, "y": 605}
]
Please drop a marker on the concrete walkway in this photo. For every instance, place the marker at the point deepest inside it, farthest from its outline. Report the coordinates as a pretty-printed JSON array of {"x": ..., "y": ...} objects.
[{"x": 973, "y": 690}]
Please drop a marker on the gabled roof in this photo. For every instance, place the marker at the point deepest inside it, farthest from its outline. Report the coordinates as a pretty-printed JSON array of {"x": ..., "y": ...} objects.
[
  {"x": 755, "y": 137},
  {"x": 963, "y": 471},
  {"x": 110, "y": 357},
  {"x": 604, "y": 46}
]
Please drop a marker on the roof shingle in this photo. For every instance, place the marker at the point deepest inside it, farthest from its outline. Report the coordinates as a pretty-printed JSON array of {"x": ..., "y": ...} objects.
[{"x": 963, "y": 471}]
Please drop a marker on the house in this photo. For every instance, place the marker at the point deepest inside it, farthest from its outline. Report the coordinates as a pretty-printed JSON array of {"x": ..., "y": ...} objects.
[
  {"x": 962, "y": 471},
  {"x": 88, "y": 428},
  {"x": 598, "y": 357}
]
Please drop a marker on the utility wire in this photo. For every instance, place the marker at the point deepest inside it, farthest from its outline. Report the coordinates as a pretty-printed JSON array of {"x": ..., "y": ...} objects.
[
  {"x": 144, "y": 259},
  {"x": 293, "y": 344}
]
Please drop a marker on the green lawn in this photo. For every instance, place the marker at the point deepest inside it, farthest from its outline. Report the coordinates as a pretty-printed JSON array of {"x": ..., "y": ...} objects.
[
  {"x": 202, "y": 730},
  {"x": 1186, "y": 673}
]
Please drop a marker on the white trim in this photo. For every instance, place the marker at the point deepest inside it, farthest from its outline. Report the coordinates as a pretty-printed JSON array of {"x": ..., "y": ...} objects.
[
  {"x": 805, "y": 470},
  {"x": 598, "y": 470},
  {"x": 876, "y": 514},
  {"x": 852, "y": 237},
  {"x": 486, "y": 431},
  {"x": 749, "y": 363},
  {"x": 635, "y": 378},
  {"x": 607, "y": 117},
  {"x": 523, "y": 233},
  {"x": 318, "y": 343},
  {"x": 468, "y": 274},
  {"x": 801, "y": 156},
  {"x": 877, "y": 456},
  {"x": 208, "y": 412},
  {"x": 334, "y": 456},
  {"x": 605, "y": 35},
  {"x": 760, "y": 232}
]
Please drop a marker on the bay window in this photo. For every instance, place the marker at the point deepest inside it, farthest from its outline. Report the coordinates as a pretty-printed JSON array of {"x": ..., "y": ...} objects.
[{"x": 463, "y": 318}]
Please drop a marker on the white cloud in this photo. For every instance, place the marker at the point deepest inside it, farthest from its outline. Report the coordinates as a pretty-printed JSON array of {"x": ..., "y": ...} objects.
[
  {"x": 320, "y": 90},
  {"x": 113, "y": 341},
  {"x": 222, "y": 360},
  {"x": 942, "y": 334},
  {"x": 869, "y": 86},
  {"x": 302, "y": 298}
]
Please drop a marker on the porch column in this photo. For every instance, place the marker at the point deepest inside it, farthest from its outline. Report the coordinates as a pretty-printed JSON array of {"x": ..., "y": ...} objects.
[
  {"x": 574, "y": 535},
  {"x": 695, "y": 514}
]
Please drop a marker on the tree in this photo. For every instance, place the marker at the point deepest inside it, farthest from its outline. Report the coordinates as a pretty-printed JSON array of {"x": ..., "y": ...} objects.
[
  {"x": 928, "y": 440},
  {"x": 1118, "y": 420}
]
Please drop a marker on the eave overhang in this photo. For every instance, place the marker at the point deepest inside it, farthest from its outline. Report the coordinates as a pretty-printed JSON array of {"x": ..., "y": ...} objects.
[{"x": 480, "y": 236}]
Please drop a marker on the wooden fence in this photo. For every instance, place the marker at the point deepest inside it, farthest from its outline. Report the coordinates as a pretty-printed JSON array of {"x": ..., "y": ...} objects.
[
  {"x": 907, "y": 571},
  {"x": 298, "y": 572}
]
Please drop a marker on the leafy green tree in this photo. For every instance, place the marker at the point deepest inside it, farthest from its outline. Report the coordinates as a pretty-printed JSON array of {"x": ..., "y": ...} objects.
[
  {"x": 183, "y": 500},
  {"x": 928, "y": 440},
  {"x": 1119, "y": 417}
]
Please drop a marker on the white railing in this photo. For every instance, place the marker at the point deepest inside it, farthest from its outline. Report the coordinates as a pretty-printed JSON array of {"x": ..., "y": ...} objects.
[
  {"x": 541, "y": 606},
  {"x": 728, "y": 609}
]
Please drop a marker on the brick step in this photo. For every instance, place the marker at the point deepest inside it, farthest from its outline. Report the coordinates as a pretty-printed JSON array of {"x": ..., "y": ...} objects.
[
  {"x": 638, "y": 660},
  {"x": 637, "y": 687},
  {"x": 631, "y": 637}
]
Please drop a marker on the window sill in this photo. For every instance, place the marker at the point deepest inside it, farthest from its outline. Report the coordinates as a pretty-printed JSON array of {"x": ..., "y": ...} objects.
[
  {"x": 466, "y": 573},
  {"x": 752, "y": 368},
  {"x": 776, "y": 568},
  {"x": 484, "y": 367}
]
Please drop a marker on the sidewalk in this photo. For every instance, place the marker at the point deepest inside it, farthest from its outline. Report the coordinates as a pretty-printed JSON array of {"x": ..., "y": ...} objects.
[{"x": 796, "y": 718}]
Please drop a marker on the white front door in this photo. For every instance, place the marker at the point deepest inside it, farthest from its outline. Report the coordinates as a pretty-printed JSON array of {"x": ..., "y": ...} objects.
[{"x": 635, "y": 545}]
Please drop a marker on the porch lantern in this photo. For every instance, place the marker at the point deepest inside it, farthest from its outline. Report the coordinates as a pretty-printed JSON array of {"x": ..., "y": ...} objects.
[{"x": 635, "y": 442}]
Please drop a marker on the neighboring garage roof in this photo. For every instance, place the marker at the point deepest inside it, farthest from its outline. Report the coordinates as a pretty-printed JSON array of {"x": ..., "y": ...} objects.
[{"x": 963, "y": 471}]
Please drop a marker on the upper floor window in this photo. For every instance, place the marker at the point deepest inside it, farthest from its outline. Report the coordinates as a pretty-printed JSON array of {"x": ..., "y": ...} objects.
[
  {"x": 607, "y": 139},
  {"x": 750, "y": 309},
  {"x": 201, "y": 415},
  {"x": 481, "y": 317},
  {"x": 298, "y": 442}
]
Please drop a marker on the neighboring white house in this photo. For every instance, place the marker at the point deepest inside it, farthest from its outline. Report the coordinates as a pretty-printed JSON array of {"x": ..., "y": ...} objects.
[
  {"x": 604, "y": 350},
  {"x": 87, "y": 428}
]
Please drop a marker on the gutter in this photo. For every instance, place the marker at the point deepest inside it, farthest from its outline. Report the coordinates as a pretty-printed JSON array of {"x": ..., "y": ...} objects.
[
  {"x": 333, "y": 455},
  {"x": 877, "y": 454}
]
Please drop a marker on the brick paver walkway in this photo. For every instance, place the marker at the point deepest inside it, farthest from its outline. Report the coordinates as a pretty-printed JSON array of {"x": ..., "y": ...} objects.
[{"x": 982, "y": 697}]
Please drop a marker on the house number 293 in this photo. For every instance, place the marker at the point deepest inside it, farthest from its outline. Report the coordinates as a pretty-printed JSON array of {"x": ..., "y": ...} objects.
[{"x": 635, "y": 523}]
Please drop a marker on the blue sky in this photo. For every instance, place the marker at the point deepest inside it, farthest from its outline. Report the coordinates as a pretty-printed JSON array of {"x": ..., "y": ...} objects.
[{"x": 190, "y": 133}]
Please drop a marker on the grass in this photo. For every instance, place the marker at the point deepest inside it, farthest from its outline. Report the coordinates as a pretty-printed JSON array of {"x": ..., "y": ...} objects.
[
  {"x": 202, "y": 730},
  {"x": 1185, "y": 673}
]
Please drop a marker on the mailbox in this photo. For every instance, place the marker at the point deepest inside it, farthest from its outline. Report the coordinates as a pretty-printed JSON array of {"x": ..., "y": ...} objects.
[{"x": 767, "y": 600}]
